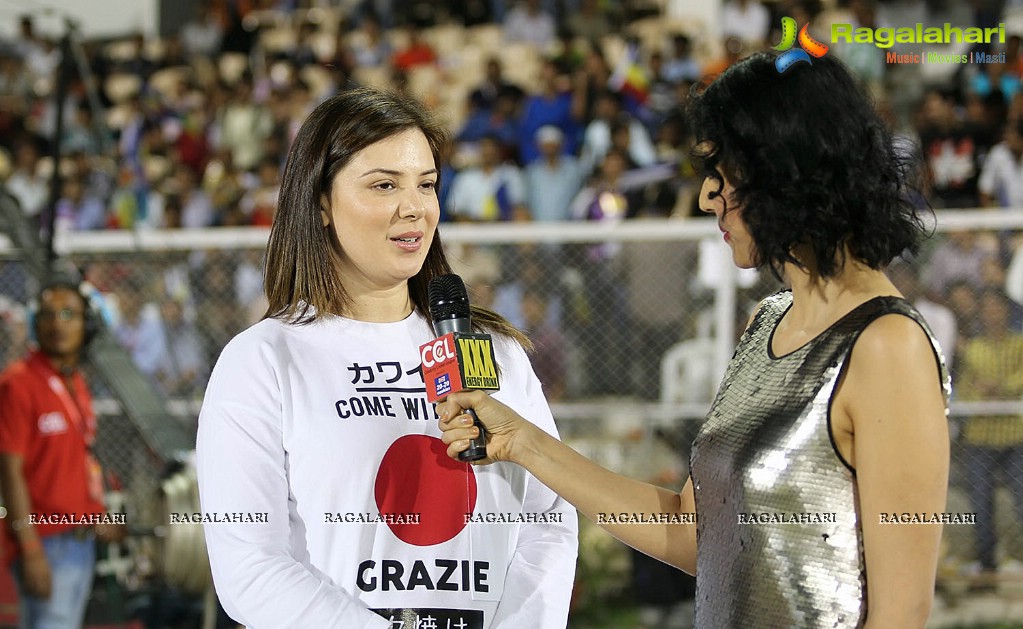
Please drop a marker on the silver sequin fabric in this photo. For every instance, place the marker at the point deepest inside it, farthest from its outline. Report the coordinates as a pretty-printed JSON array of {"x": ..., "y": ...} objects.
[{"x": 778, "y": 527}]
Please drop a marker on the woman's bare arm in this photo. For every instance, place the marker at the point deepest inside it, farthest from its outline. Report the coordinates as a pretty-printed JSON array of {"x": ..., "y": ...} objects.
[
  {"x": 594, "y": 490},
  {"x": 893, "y": 397}
]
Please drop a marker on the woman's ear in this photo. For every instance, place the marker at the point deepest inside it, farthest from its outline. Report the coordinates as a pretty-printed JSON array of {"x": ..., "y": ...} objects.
[{"x": 325, "y": 211}]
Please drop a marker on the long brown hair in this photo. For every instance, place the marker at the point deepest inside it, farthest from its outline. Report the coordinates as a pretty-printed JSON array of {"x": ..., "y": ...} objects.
[{"x": 302, "y": 277}]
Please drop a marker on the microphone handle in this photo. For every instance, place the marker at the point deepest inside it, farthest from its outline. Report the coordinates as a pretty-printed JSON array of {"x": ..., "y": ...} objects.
[{"x": 477, "y": 447}]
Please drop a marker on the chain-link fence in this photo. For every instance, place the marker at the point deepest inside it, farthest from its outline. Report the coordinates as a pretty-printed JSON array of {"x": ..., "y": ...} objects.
[{"x": 633, "y": 323}]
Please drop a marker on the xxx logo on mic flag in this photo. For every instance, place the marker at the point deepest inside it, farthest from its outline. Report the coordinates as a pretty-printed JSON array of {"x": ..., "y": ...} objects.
[{"x": 808, "y": 45}]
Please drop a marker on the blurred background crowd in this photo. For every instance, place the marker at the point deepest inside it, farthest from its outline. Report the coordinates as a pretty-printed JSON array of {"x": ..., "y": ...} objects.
[{"x": 560, "y": 110}]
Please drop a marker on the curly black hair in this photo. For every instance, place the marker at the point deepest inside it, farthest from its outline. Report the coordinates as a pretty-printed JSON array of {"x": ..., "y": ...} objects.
[{"x": 811, "y": 161}]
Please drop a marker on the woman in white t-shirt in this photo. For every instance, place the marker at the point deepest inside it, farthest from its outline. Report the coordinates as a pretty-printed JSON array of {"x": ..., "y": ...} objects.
[{"x": 327, "y": 498}]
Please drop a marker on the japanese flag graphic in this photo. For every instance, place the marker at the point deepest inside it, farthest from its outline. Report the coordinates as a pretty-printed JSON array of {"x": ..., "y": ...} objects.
[{"x": 416, "y": 475}]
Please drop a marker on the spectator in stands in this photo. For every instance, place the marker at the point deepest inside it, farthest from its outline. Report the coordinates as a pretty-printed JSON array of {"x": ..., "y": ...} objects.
[
  {"x": 259, "y": 203},
  {"x": 961, "y": 297},
  {"x": 219, "y": 314},
  {"x": 39, "y": 53},
  {"x": 493, "y": 86},
  {"x": 26, "y": 183},
  {"x": 603, "y": 199},
  {"x": 590, "y": 22},
  {"x": 13, "y": 329},
  {"x": 1001, "y": 178},
  {"x": 304, "y": 53},
  {"x": 548, "y": 358},
  {"x": 748, "y": 20},
  {"x": 137, "y": 62},
  {"x": 491, "y": 191},
  {"x": 381, "y": 10},
  {"x": 988, "y": 119},
  {"x": 866, "y": 62},
  {"x": 960, "y": 255},
  {"x": 27, "y": 42},
  {"x": 472, "y": 12},
  {"x": 173, "y": 53},
  {"x": 183, "y": 367},
  {"x": 991, "y": 368},
  {"x": 243, "y": 126},
  {"x": 501, "y": 120},
  {"x": 603, "y": 335},
  {"x": 1002, "y": 78},
  {"x": 171, "y": 218},
  {"x": 529, "y": 23},
  {"x": 951, "y": 151},
  {"x": 80, "y": 132},
  {"x": 523, "y": 270},
  {"x": 597, "y": 138},
  {"x": 191, "y": 147},
  {"x": 369, "y": 45},
  {"x": 556, "y": 104},
  {"x": 248, "y": 285},
  {"x": 139, "y": 329},
  {"x": 673, "y": 142},
  {"x": 1014, "y": 273},
  {"x": 417, "y": 52},
  {"x": 1013, "y": 56},
  {"x": 553, "y": 179},
  {"x": 15, "y": 94},
  {"x": 662, "y": 95},
  {"x": 238, "y": 35},
  {"x": 590, "y": 79},
  {"x": 99, "y": 173},
  {"x": 196, "y": 205},
  {"x": 682, "y": 66},
  {"x": 76, "y": 211},
  {"x": 993, "y": 276},
  {"x": 200, "y": 36}
]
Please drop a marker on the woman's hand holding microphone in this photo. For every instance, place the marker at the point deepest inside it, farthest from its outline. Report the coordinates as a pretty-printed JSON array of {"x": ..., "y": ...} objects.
[{"x": 508, "y": 433}]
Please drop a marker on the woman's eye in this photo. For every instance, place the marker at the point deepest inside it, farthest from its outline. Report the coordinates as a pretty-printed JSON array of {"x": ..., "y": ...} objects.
[
  {"x": 385, "y": 185},
  {"x": 429, "y": 185}
]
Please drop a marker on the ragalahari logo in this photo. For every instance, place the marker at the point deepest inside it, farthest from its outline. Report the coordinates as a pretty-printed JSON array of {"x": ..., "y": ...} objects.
[{"x": 808, "y": 46}]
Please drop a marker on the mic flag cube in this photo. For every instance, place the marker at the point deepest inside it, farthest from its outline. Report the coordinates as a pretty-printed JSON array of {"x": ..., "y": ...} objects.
[{"x": 457, "y": 362}]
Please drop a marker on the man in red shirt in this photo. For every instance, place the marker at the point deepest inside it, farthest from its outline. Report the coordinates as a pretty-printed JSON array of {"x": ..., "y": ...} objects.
[{"x": 50, "y": 480}]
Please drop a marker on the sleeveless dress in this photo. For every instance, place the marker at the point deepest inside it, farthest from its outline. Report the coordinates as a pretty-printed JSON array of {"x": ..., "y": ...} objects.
[{"x": 778, "y": 530}]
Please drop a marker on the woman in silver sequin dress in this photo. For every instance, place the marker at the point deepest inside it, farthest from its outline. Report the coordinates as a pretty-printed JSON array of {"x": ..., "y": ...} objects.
[{"x": 830, "y": 423}]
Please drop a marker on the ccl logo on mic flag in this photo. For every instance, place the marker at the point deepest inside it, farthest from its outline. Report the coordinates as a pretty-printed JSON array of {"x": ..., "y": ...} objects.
[
  {"x": 456, "y": 362},
  {"x": 808, "y": 45}
]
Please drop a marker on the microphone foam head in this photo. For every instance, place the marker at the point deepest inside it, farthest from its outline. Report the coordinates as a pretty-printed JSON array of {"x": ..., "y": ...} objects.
[{"x": 448, "y": 298}]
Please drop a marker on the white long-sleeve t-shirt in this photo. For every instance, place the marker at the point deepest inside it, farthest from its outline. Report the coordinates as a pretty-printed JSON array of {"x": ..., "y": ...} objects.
[{"x": 327, "y": 493}]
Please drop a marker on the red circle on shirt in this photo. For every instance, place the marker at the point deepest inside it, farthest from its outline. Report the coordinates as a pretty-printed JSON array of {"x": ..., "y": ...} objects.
[{"x": 417, "y": 476}]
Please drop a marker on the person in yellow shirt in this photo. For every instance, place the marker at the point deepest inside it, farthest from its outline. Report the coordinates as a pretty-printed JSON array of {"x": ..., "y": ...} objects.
[{"x": 992, "y": 369}]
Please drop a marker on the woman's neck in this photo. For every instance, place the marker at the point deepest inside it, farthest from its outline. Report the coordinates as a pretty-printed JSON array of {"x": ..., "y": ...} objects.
[
  {"x": 819, "y": 301},
  {"x": 380, "y": 306}
]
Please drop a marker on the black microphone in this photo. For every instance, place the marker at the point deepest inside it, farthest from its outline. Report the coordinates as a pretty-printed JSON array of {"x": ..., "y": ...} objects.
[{"x": 457, "y": 359}]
